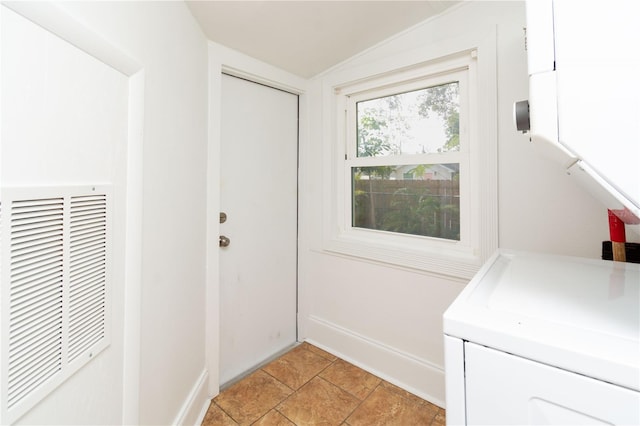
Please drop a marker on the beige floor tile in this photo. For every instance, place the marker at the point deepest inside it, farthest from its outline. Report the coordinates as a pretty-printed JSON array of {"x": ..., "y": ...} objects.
[
  {"x": 297, "y": 367},
  {"x": 406, "y": 394},
  {"x": 440, "y": 418},
  {"x": 354, "y": 380},
  {"x": 252, "y": 397},
  {"x": 216, "y": 417},
  {"x": 273, "y": 418},
  {"x": 318, "y": 403},
  {"x": 316, "y": 350},
  {"x": 384, "y": 407}
]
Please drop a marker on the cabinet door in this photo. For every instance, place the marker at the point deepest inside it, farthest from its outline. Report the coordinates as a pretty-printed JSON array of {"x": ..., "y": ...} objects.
[
  {"x": 506, "y": 389},
  {"x": 598, "y": 88}
]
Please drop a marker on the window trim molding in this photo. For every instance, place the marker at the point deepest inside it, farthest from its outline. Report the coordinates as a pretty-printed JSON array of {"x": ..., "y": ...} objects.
[{"x": 443, "y": 257}]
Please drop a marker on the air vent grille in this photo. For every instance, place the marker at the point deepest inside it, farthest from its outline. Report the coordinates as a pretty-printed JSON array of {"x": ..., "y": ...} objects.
[{"x": 55, "y": 287}]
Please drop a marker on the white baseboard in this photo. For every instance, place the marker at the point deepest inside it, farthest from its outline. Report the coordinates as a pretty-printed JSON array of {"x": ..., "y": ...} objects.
[
  {"x": 195, "y": 406},
  {"x": 416, "y": 375}
]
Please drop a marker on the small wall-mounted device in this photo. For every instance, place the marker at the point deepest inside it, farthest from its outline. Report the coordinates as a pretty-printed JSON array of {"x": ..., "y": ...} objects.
[{"x": 521, "y": 116}]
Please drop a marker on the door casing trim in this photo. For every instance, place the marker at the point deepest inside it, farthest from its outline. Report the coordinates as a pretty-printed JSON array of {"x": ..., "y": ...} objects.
[{"x": 228, "y": 61}]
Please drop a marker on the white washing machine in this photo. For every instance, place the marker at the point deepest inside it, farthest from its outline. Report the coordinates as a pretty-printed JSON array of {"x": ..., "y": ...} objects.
[{"x": 543, "y": 339}]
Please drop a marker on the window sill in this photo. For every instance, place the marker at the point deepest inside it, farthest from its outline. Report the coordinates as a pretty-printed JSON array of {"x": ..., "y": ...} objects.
[{"x": 447, "y": 258}]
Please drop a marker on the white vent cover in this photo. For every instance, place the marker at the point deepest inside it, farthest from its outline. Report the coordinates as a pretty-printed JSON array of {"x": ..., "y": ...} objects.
[{"x": 55, "y": 288}]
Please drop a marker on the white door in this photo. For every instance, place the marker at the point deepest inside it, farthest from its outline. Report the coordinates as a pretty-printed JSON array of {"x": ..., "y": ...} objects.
[{"x": 258, "y": 193}]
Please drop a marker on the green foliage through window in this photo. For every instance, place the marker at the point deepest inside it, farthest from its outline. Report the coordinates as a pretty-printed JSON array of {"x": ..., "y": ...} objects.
[{"x": 417, "y": 206}]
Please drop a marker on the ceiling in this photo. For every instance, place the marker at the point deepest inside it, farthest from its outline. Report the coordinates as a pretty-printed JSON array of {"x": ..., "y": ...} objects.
[{"x": 307, "y": 37}]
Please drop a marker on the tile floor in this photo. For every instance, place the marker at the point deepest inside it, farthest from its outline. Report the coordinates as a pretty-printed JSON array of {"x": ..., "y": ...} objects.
[{"x": 308, "y": 386}]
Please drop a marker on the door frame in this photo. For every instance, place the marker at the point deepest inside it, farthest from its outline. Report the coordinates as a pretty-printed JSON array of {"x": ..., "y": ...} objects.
[{"x": 228, "y": 61}]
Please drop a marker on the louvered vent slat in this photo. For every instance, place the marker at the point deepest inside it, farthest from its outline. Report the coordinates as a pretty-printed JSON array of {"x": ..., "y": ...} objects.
[
  {"x": 88, "y": 252},
  {"x": 92, "y": 302},
  {"x": 27, "y": 315},
  {"x": 27, "y": 249},
  {"x": 33, "y": 209},
  {"x": 87, "y": 284},
  {"x": 34, "y": 338},
  {"x": 24, "y": 274},
  {"x": 90, "y": 324},
  {"x": 88, "y": 340},
  {"x": 87, "y": 276},
  {"x": 92, "y": 284},
  {"x": 90, "y": 331},
  {"x": 85, "y": 263},
  {"x": 28, "y": 241},
  {"x": 34, "y": 379},
  {"x": 88, "y": 291},
  {"x": 45, "y": 349},
  {"x": 38, "y": 221},
  {"x": 88, "y": 240},
  {"x": 36, "y": 302},
  {"x": 27, "y": 260},
  {"x": 86, "y": 269},
  {"x": 35, "y": 265},
  {"x": 41, "y": 228},
  {"x": 88, "y": 229},
  {"x": 33, "y": 284},
  {"x": 25, "y": 357}
]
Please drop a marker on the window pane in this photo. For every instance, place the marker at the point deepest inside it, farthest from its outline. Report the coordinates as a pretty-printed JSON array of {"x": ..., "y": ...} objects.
[
  {"x": 421, "y": 199},
  {"x": 419, "y": 122}
]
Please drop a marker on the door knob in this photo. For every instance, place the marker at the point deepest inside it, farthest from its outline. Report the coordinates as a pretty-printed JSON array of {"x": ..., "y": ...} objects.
[{"x": 224, "y": 241}]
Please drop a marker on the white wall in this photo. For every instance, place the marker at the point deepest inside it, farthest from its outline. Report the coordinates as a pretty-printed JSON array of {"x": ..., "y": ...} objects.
[
  {"x": 64, "y": 121},
  {"x": 172, "y": 51},
  {"x": 389, "y": 320}
]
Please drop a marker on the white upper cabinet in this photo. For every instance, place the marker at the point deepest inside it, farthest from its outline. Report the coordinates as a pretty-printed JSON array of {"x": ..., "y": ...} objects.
[{"x": 585, "y": 90}]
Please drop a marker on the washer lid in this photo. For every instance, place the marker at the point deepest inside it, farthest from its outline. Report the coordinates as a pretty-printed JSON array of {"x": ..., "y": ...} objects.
[{"x": 579, "y": 314}]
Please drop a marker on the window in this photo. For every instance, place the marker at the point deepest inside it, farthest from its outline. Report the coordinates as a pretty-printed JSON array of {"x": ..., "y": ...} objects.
[
  {"x": 415, "y": 158},
  {"x": 413, "y": 191}
]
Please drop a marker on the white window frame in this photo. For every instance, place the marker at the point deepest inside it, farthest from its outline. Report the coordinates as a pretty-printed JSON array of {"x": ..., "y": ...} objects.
[
  {"x": 474, "y": 67},
  {"x": 461, "y": 156}
]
